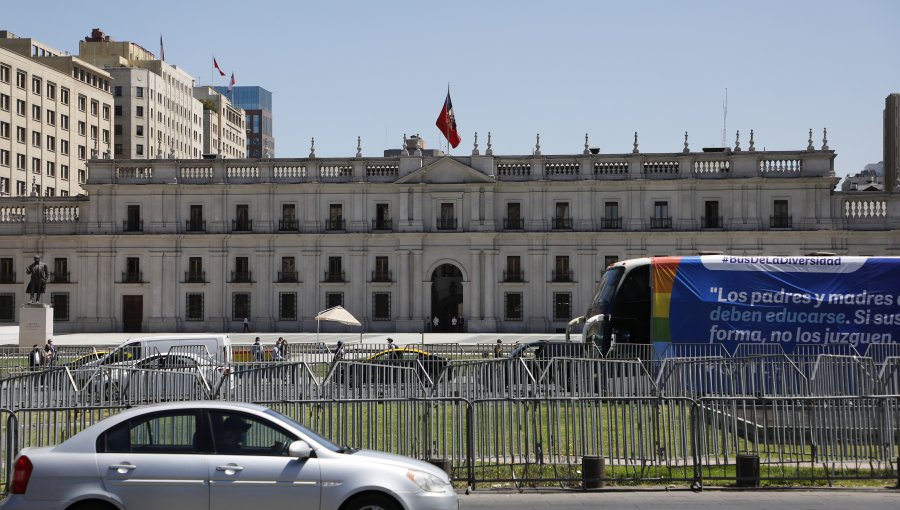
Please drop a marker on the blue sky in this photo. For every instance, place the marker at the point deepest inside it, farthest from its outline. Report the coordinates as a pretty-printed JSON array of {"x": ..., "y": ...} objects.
[{"x": 379, "y": 69}]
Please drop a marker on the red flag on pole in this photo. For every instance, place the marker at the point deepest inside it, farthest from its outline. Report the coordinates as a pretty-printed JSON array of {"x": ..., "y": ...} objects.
[
  {"x": 446, "y": 122},
  {"x": 216, "y": 65},
  {"x": 231, "y": 85},
  {"x": 162, "y": 49}
]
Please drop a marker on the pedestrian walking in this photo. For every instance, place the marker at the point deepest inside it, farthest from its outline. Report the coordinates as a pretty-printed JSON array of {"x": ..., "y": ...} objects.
[
  {"x": 279, "y": 352},
  {"x": 246, "y": 324},
  {"x": 393, "y": 354},
  {"x": 498, "y": 349}
]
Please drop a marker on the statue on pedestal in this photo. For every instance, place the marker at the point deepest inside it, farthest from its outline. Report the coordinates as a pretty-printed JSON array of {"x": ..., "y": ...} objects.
[{"x": 37, "y": 283}]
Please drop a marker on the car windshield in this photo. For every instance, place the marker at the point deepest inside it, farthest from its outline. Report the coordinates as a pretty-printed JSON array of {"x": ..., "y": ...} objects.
[{"x": 313, "y": 435}]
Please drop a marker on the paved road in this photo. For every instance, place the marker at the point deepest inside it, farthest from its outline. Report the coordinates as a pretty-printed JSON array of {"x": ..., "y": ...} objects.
[{"x": 824, "y": 499}]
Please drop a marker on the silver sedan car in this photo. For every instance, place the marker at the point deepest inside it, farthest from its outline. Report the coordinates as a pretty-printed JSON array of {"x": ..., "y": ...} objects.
[{"x": 221, "y": 456}]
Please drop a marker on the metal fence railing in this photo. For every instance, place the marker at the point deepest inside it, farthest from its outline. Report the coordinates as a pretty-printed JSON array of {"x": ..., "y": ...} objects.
[{"x": 808, "y": 415}]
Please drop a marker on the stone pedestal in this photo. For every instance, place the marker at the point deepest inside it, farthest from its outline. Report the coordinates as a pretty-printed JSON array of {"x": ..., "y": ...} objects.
[{"x": 35, "y": 324}]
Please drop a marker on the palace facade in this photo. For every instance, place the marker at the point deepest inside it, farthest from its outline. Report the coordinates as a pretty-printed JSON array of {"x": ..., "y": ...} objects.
[{"x": 506, "y": 243}]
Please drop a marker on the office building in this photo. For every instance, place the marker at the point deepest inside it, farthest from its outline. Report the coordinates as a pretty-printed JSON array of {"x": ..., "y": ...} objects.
[
  {"x": 156, "y": 114},
  {"x": 257, "y": 104},
  {"x": 223, "y": 125},
  {"x": 55, "y": 114}
]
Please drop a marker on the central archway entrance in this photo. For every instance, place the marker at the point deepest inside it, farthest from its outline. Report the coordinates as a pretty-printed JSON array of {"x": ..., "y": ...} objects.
[{"x": 446, "y": 297}]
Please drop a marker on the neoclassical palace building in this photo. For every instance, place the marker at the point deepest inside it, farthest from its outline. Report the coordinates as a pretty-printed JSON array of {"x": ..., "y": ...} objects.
[{"x": 505, "y": 243}]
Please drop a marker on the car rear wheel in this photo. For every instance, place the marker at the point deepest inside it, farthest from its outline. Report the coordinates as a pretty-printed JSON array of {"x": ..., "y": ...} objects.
[
  {"x": 371, "y": 501},
  {"x": 92, "y": 505}
]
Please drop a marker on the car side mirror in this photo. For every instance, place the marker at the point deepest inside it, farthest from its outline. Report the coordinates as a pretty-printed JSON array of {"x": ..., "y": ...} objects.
[{"x": 300, "y": 449}]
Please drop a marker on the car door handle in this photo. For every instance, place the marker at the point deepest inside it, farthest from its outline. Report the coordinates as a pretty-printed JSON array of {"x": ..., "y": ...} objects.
[
  {"x": 122, "y": 467},
  {"x": 232, "y": 467}
]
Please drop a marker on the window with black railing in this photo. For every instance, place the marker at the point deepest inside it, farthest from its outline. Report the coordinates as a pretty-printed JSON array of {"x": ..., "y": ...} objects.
[
  {"x": 334, "y": 276},
  {"x": 514, "y": 275},
  {"x": 381, "y": 276},
  {"x": 133, "y": 222},
  {"x": 780, "y": 222},
  {"x": 241, "y": 225},
  {"x": 132, "y": 277},
  {"x": 562, "y": 275},
  {"x": 132, "y": 226},
  {"x": 446, "y": 223},
  {"x": 382, "y": 224},
  {"x": 195, "y": 277},
  {"x": 661, "y": 222},
  {"x": 241, "y": 273},
  {"x": 241, "y": 277},
  {"x": 59, "y": 277},
  {"x": 288, "y": 277},
  {"x": 289, "y": 225},
  {"x": 560, "y": 223},
  {"x": 711, "y": 221},
  {"x": 608, "y": 223},
  {"x": 382, "y": 219},
  {"x": 513, "y": 224},
  {"x": 335, "y": 224}
]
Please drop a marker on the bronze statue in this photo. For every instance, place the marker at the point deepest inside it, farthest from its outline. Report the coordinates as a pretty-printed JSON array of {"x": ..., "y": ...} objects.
[{"x": 37, "y": 284}]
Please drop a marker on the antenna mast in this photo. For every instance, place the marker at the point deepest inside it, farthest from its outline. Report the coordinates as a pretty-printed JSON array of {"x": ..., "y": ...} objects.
[{"x": 724, "y": 117}]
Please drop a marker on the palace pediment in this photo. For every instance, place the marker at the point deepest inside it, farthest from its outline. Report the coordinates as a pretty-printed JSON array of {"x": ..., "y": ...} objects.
[{"x": 445, "y": 171}]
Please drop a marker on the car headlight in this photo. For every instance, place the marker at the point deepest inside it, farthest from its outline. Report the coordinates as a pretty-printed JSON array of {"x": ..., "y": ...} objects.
[{"x": 426, "y": 481}]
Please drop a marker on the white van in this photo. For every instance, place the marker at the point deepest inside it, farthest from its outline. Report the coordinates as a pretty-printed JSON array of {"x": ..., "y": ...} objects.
[{"x": 215, "y": 347}]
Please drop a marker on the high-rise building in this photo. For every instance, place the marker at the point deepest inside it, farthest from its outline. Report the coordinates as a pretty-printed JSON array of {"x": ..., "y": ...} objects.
[
  {"x": 156, "y": 114},
  {"x": 223, "y": 125},
  {"x": 55, "y": 114},
  {"x": 257, "y": 104},
  {"x": 891, "y": 141}
]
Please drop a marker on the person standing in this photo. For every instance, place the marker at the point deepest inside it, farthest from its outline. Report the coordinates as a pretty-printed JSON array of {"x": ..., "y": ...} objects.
[
  {"x": 453, "y": 322},
  {"x": 256, "y": 350},
  {"x": 435, "y": 323},
  {"x": 35, "y": 358},
  {"x": 246, "y": 324},
  {"x": 498, "y": 349},
  {"x": 49, "y": 353}
]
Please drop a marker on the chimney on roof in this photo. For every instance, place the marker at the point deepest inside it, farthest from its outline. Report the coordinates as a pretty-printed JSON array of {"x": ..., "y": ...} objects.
[{"x": 97, "y": 35}]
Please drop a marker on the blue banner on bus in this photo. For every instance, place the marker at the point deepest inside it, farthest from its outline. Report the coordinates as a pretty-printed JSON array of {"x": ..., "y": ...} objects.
[{"x": 787, "y": 300}]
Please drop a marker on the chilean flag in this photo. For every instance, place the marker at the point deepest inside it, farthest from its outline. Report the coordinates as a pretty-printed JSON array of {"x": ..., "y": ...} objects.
[
  {"x": 231, "y": 85},
  {"x": 216, "y": 65},
  {"x": 446, "y": 122}
]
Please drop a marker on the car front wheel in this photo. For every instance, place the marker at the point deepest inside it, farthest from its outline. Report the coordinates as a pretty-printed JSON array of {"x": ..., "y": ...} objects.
[{"x": 371, "y": 501}]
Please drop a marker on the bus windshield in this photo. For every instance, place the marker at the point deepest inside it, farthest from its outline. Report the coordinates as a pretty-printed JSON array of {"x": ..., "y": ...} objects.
[{"x": 605, "y": 291}]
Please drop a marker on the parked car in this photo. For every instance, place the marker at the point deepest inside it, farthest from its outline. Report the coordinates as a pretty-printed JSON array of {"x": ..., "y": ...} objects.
[
  {"x": 172, "y": 375},
  {"x": 221, "y": 455},
  {"x": 426, "y": 366}
]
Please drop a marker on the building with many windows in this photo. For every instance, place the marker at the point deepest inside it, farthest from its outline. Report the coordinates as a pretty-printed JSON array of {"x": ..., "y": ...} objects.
[
  {"x": 506, "y": 243},
  {"x": 55, "y": 114},
  {"x": 257, "y": 105},
  {"x": 223, "y": 125},
  {"x": 155, "y": 112}
]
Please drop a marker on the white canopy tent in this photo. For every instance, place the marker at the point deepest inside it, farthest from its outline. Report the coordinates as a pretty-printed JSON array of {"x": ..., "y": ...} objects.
[{"x": 336, "y": 314}]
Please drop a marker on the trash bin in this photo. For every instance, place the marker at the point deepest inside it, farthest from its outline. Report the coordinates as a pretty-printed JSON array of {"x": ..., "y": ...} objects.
[
  {"x": 747, "y": 470},
  {"x": 445, "y": 464},
  {"x": 593, "y": 472}
]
